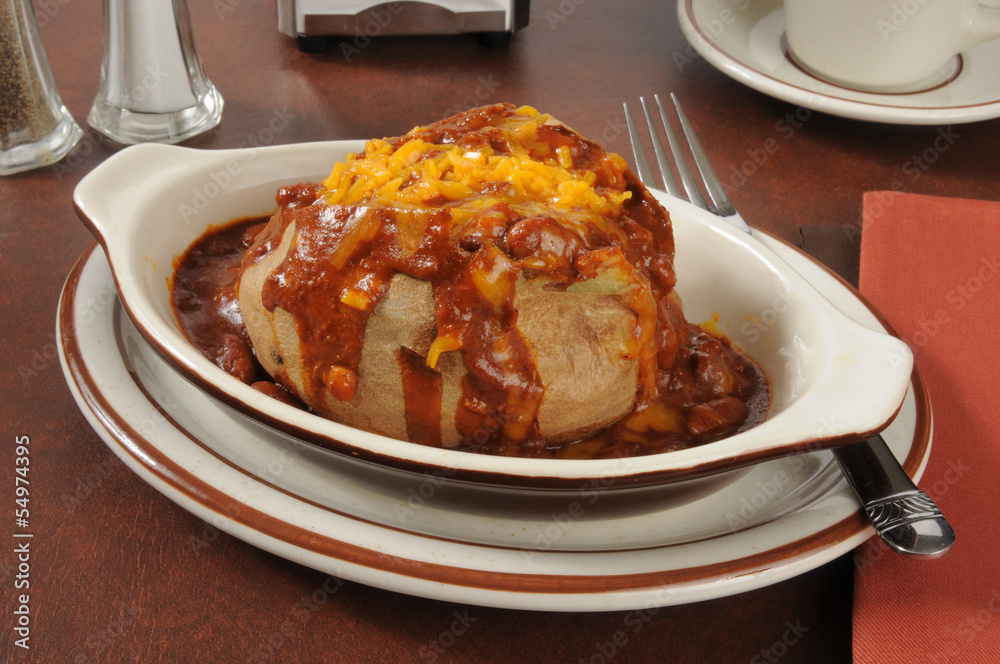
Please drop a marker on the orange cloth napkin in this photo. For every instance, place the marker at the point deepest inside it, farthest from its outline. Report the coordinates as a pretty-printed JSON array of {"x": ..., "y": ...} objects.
[{"x": 932, "y": 267}]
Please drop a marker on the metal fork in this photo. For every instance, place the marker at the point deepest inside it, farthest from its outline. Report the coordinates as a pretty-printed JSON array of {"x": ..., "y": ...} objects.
[{"x": 905, "y": 517}]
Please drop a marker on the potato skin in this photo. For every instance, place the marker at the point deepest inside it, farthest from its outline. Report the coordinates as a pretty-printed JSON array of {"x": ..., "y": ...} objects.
[{"x": 577, "y": 341}]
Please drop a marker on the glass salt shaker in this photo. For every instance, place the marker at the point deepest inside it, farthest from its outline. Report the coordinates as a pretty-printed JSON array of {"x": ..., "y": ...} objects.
[
  {"x": 153, "y": 87},
  {"x": 35, "y": 127}
]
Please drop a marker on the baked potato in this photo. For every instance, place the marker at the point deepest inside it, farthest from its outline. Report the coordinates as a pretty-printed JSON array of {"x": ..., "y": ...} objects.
[{"x": 492, "y": 282}]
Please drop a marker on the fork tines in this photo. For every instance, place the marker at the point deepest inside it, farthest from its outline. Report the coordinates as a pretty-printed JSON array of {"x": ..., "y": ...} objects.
[{"x": 721, "y": 204}]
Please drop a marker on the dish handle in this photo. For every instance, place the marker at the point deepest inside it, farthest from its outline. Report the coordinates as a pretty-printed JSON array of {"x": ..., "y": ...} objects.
[
  {"x": 865, "y": 382},
  {"x": 108, "y": 197}
]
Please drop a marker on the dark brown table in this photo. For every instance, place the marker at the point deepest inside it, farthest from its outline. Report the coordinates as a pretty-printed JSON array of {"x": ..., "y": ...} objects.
[{"x": 114, "y": 574}]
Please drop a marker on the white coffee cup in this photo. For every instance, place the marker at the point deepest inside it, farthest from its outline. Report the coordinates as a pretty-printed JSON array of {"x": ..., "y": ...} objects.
[{"x": 886, "y": 45}]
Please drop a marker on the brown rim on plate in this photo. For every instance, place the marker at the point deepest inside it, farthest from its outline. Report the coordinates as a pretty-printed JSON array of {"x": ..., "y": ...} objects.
[
  {"x": 689, "y": 11},
  {"x": 145, "y": 453},
  {"x": 790, "y": 57}
]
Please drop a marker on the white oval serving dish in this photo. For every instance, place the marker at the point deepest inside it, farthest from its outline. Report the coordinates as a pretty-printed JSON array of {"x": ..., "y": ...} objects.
[{"x": 834, "y": 381}]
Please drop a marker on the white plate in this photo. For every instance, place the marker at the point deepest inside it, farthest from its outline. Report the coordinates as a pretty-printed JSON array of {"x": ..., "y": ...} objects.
[
  {"x": 778, "y": 520},
  {"x": 746, "y": 40}
]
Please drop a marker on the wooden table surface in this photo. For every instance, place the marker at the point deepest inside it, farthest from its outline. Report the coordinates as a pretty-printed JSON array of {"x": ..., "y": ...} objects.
[{"x": 116, "y": 573}]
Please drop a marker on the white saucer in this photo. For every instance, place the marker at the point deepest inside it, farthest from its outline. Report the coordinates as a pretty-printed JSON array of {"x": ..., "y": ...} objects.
[
  {"x": 778, "y": 520},
  {"x": 745, "y": 40}
]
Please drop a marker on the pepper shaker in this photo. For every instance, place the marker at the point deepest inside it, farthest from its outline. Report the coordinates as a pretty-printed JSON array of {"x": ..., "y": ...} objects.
[
  {"x": 35, "y": 127},
  {"x": 152, "y": 87}
]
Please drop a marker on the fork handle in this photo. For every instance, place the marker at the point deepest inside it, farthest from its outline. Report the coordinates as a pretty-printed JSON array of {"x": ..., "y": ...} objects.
[{"x": 905, "y": 517}]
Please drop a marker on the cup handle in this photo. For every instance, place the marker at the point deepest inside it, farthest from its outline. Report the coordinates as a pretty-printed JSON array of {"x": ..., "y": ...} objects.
[{"x": 984, "y": 22}]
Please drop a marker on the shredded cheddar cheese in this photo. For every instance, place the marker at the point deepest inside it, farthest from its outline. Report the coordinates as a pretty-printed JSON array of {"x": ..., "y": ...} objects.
[
  {"x": 419, "y": 174},
  {"x": 441, "y": 345}
]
